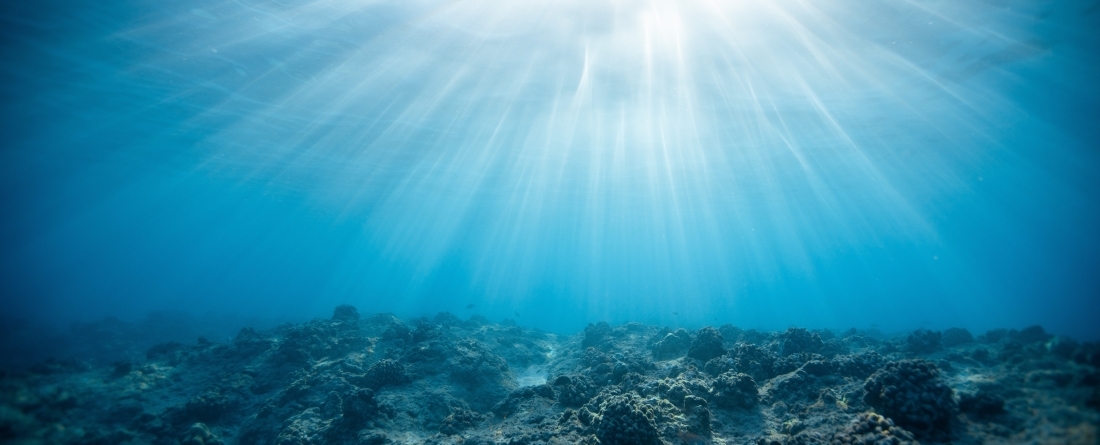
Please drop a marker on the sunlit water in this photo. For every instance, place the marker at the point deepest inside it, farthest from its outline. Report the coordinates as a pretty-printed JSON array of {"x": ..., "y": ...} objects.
[{"x": 822, "y": 163}]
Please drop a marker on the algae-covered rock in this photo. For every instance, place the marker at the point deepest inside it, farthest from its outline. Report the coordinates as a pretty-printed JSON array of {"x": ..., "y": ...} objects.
[
  {"x": 596, "y": 334},
  {"x": 200, "y": 434},
  {"x": 381, "y": 380},
  {"x": 735, "y": 390},
  {"x": 385, "y": 372},
  {"x": 706, "y": 345},
  {"x": 672, "y": 345},
  {"x": 924, "y": 342},
  {"x": 345, "y": 313},
  {"x": 912, "y": 394},
  {"x": 574, "y": 390},
  {"x": 873, "y": 429},
  {"x": 626, "y": 420},
  {"x": 799, "y": 340},
  {"x": 459, "y": 420}
]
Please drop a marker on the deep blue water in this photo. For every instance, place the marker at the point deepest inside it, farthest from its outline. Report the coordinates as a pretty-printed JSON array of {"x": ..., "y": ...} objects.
[{"x": 830, "y": 164}]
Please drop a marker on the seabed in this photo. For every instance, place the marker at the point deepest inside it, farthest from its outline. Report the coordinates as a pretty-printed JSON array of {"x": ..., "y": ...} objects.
[{"x": 444, "y": 380}]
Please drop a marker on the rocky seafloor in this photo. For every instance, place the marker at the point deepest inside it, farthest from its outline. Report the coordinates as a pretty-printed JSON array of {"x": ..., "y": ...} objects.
[{"x": 445, "y": 380}]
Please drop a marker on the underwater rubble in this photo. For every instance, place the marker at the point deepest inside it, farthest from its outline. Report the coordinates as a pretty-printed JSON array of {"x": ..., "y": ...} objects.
[{"x": 444, "y": 380}]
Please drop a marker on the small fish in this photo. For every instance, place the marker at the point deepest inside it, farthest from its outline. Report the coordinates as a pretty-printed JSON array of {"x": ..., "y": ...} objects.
[
  {"x": 675, "y": 313},
  {"x": 517, "y": 313},
  {"x": 470, "y": 306},
  {"x": 691, "y": 438}
]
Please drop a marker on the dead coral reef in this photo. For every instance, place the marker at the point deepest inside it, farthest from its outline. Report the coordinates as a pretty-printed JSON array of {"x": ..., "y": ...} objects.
[{"x": 380, "y": 380}]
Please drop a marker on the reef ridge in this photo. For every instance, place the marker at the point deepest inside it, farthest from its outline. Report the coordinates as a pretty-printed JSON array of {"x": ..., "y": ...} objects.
[{"x": 444, "y": 380}]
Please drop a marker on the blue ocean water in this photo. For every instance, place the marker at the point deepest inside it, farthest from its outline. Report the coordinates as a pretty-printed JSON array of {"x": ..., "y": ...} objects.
[{"x": 889, "y": 165}]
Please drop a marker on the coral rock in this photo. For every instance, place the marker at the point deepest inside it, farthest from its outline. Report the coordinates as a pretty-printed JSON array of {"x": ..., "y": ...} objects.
[
  {"x": 385, "y": 372},
  {"x": 924, "y": 342},
  {"x": 706, "y": 345},
  {"x": 626, "y": 420},
  {"x": 574, "y": 391},
  {"x": 956, "y": 336},
  {"x": 981, "y": 404},
  {"x": 799, "y": 340},
  {"x": 595, "y": 334},
  {"x": 673, "y": 345},
  {"x": 912, "y": 394},
  {"x": 459, "y": 420},
  {"x": 735, "y": 390},
  {"x": 346, "y": 313},
  {"x": 755, "y": 361},
  {"x": 873, "y": 429}
]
